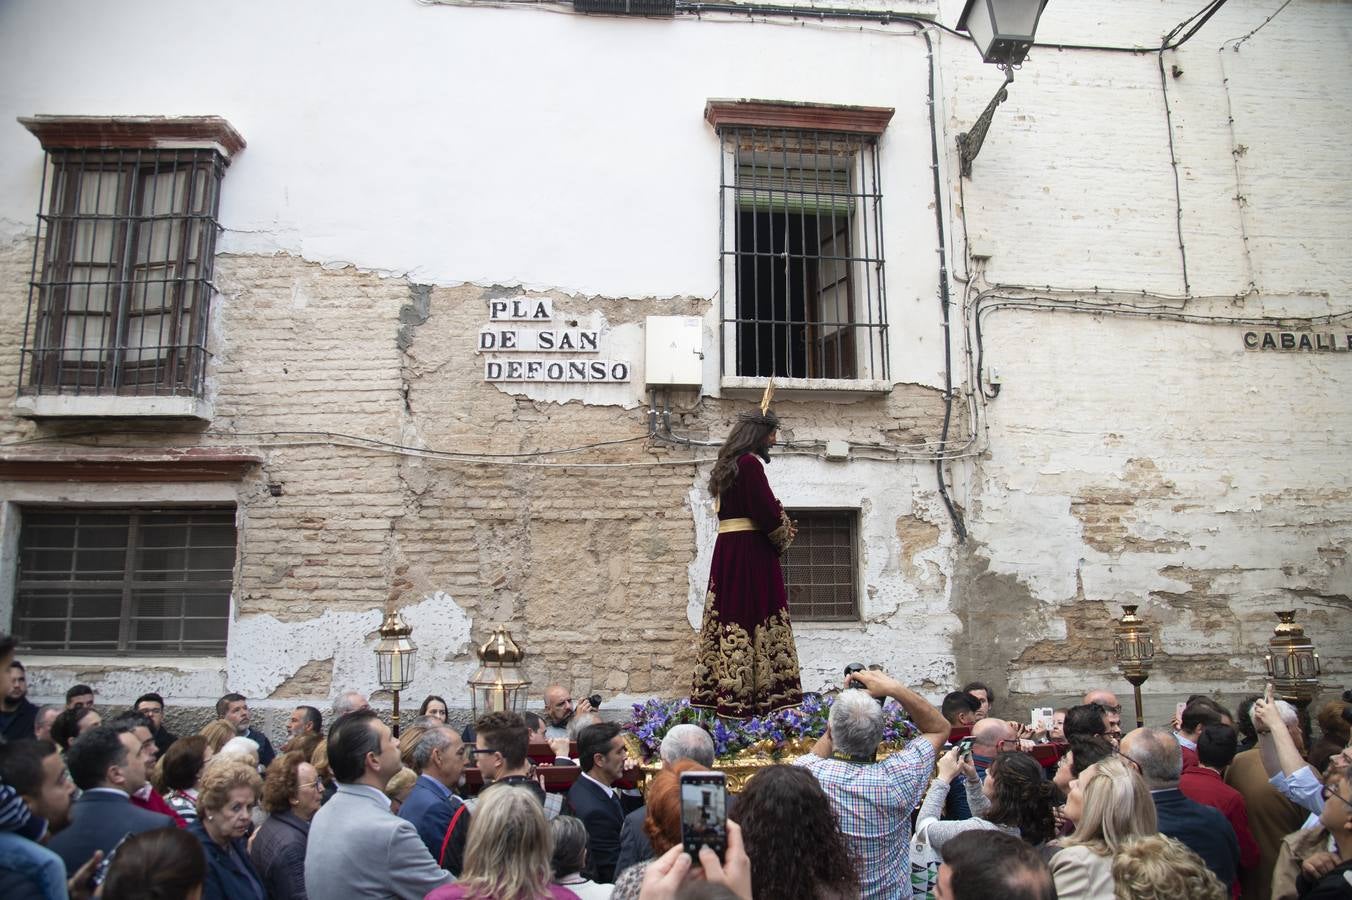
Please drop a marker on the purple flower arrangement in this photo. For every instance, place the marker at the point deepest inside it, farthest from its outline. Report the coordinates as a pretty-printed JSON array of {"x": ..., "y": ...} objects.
[{"x": 653, "y": 719}]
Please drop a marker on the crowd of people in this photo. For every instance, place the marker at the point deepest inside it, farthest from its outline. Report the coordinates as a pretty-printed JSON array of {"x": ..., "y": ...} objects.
[{"x": 114, "y": 805}]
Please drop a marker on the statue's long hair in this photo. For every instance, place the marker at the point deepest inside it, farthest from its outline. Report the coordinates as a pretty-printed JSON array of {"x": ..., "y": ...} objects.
[{"x": 751, "y": 434}]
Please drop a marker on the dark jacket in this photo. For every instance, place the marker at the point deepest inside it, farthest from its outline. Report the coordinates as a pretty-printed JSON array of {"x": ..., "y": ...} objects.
[
  {"x": 230, "y": 873},
  {"x": 265, "y": 752},
  {"x": 98, "y": 821},
  {"x": 19, "y": 724},
  {"x": 431, "y": 807},
  {"x": 278, "y": 855},
  {"x": 164, "y": 739},
  {"x": 601, "y": 812},
  {"x": 1205, "y": 831},
  {"x": 635, "y": 845}
]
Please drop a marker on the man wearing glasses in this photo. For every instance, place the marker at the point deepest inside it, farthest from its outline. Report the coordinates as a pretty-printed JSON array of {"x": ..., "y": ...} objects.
[{"x": 501, "y": 740}]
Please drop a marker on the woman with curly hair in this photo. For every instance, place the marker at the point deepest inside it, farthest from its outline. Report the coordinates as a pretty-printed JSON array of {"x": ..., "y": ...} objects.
[
  {"x": 1156, "y": 867},
  {"x": 746, "y": 663},
  {"x": 1014, "y": 799},
  {"x": 224, "y": 806},
  {"x": 291, "y": 795},
  {"x": 783, "y": 810}
]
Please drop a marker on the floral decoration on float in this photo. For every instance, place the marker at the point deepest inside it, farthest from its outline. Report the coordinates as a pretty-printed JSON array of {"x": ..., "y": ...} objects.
[{"x": 743, "y": 746}]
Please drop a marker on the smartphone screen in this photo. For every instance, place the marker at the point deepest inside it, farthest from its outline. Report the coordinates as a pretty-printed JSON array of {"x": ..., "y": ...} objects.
[
  {"x": 965, "y": 746},
  {"x": 704, "y": 810}
]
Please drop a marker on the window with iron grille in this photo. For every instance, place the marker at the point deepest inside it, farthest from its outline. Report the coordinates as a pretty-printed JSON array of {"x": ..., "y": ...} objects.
[
  {"x": 821, "y": 565},
  {"x": 121, "y": 581},
  {"x": 121, "y": 288},
  {"x": 801, "y": 249}
]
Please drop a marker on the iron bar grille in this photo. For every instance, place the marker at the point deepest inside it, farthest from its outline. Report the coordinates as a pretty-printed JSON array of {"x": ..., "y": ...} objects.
[
  {"x": 120, "y": 294},
  {"x": 801, "y": 243},
  {"x": 820, "y": 565},
  {"x": 121, "y": 581}
]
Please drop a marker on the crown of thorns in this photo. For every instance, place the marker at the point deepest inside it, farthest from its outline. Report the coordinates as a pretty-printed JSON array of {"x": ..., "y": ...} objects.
[{"x": 764, "y": 416}]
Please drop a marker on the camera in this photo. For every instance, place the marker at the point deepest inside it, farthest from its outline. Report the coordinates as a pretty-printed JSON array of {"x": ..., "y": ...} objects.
[
  {"x": 852, "y": 682},
  {"x": 595, "y": 701}
]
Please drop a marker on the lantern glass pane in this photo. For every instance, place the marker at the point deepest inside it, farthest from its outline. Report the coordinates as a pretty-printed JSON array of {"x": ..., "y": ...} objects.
[
  {"x": 1016, "y": 18},
  {"x": 980, "y": 26}
]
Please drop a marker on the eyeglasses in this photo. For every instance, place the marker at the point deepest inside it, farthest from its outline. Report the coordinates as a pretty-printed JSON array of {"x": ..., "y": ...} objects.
[
  {"x": 476, "y": 752},
  {"x": 1115, "y": 710},
  {"x": 1327, "y": 791},
  {"x": 309, "y": 784},
  {"x": 1008, "y": 745}
]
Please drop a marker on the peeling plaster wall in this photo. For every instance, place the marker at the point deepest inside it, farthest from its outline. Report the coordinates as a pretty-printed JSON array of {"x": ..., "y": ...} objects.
[{"x": 369, "y": 223}]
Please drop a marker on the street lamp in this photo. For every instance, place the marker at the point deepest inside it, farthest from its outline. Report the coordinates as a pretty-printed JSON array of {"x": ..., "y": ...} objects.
[
  {"x": 1134, "y": 648},
  {"x": 395, "y": 657},
  {"x": 1292, "y": 663},
  {"x": 498, "y": 686},
  {"x": 1003, "y": 31}
]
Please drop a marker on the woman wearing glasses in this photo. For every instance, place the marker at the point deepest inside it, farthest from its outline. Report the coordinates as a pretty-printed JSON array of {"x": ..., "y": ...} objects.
[{"x": 291, "y": 796}]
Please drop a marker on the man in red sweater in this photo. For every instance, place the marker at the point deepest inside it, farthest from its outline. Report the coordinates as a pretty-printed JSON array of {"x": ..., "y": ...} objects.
[{"x": 1204, "y": 783}]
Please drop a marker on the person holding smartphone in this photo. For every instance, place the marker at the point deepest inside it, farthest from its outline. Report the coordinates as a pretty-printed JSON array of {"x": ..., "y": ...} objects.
[{"x": 873, "y": 798}]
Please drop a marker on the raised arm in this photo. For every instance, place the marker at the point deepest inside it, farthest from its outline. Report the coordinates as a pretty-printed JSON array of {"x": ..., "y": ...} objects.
[{"x": 932, "y": 724}]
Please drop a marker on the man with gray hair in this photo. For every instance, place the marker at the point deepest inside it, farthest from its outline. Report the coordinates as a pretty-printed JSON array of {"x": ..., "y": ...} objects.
[
  {"x": 349, "y": 701},
  {"x": 1202, "y": 829},
  {"x": 681, "y": 742},
  {"x": 441, "y": 818},
  {"x": 872, "y": 798}
]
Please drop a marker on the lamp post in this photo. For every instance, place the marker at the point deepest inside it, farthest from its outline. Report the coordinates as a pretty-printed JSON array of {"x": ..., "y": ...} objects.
[
  {"x": 1135, "y": 650},
  {"x": 498, "y": 686},
  {"x": 1292, "y": 663},
  {"x": 395, "y": 658},
  {"x": 1003, "y": 31}
]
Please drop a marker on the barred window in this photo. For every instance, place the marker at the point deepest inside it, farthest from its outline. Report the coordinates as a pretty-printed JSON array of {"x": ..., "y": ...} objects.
[
  {"x": 120, "y": 294},
  {"x": 820, "y": 565},
  {"x": 112, "y": 581},
  {"x": 801, "y": 249}
]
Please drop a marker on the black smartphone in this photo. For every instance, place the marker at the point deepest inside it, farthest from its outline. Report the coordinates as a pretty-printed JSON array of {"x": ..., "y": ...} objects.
[
  {"x": 101, "y": 870},
  {"x": 704, "y": 812},
  {"x": 965, "y": 746}
]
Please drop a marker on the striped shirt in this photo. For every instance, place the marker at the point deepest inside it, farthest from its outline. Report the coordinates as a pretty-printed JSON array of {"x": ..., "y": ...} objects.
[{"x": 873, "y": 803}]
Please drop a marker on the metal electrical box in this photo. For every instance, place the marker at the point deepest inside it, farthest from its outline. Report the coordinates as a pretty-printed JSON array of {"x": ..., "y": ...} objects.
[{"x": 674, "y": 351}]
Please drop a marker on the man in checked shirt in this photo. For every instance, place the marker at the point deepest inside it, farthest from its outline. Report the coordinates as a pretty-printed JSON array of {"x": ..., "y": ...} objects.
[{"x": 873, "y": 798}]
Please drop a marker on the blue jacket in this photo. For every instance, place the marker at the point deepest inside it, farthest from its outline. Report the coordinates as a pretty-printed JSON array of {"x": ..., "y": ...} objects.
[
  {"x": 98, "y": 821},
  {"x": 1203, "y": 829},
  {"x": 265, "y": 752},
  {"x": 430, "y": 807},
  {"x": 230, "y": 873}
]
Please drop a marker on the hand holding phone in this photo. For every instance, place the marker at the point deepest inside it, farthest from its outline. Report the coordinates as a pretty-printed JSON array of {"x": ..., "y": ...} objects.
[{"x": 704, "y": 812}]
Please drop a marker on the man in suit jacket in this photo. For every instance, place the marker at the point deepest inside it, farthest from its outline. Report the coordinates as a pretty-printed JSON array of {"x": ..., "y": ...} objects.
[
  {"x": 602, "y": 754},
  {"x": 439, "y": 758},
  {"x": 1202, "y": 829},
  {"x": 109, "y": 767},
  {"x": 357, "y": 847},
  {"x": 681, "y": 742}
]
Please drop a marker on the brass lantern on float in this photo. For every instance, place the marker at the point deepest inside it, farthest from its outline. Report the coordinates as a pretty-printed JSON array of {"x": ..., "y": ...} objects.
[
  {"x": 1291, "y": 660},
  {"x": 499, "y": 685},
  {"x": 1134, "y": 647},
  {"x": 395, "y": 657}
]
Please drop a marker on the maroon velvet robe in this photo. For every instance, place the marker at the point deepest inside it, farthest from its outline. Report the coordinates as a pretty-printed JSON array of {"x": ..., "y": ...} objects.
[{"x": 746, "y": 663}]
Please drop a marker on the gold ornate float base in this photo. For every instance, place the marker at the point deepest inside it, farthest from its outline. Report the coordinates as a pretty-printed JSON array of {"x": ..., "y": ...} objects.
[{"x": 740, "y": 766}]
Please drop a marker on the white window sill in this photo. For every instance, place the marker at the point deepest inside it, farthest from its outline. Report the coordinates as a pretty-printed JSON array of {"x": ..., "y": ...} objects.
[
  {"x": 807, "y": 388},
  {"x": 68, "y": 406}
]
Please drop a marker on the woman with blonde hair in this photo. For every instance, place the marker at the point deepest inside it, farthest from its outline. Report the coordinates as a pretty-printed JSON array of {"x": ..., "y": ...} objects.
[
  {"x": 217, "y": 733},
  {"x": 507, "y": 856},
  {"x": 1156, "y": 867},
  {"x": 1109, "y": 804}
]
